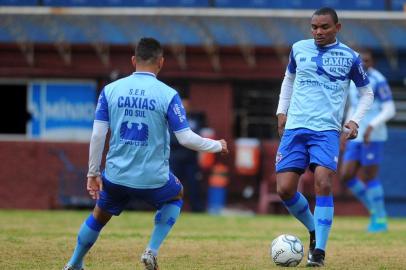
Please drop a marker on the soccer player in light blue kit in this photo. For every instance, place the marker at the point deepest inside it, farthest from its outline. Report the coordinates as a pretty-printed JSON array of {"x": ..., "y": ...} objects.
[
  {"x": 364, "y": 154},
  {"x": 310, "y": 110},
  {"x": 138, "y": 110}
]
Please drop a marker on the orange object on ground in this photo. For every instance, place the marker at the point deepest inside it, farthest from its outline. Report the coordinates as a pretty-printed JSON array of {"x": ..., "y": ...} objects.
[{"x": 219, "y": 176}]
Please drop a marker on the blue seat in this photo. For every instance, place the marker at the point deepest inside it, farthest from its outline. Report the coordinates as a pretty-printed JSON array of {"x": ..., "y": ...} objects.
[
  {"x": 398, "y": 5},
  {"x": 304, "y": 4},
  {"x": 396, "y": 36},
  {"x": 156, "y": 3},
  {"x": 127, "y": 3},
  {"x": 251, "y": 4},
  {"x": 219, "y": 31},
  {"x": 18, "y": 2},
  {"x": 361, "y": 35},
  {"x": 71, "y": 3}
]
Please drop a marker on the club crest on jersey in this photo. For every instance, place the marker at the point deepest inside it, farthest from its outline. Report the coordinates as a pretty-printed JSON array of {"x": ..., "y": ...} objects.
[
  {"x": 334, "y": 63},
  {"x": 133, "y": 131}
]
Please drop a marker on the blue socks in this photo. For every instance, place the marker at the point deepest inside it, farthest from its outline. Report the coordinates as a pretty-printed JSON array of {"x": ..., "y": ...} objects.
[
  {"x": 165, "y": 218},
  {"x": 371, "y": 196},
  {"x": 375, "y": 195},
  {"x": 298, "y": 206},
  {"x": 359, "y": 190},
  {"x": 323, "y": 219},
  {"x": 88, "y": 233}
]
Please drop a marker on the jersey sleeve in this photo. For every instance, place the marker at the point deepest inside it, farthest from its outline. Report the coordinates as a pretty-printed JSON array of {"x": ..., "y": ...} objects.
[
  {"x": 292, "y": 63},
  {"x": 357, "y": 73},
  {"x": 102, "y": 108},
  {"x": 383, "y": 92},
  {"x": 176, "y": 115}
]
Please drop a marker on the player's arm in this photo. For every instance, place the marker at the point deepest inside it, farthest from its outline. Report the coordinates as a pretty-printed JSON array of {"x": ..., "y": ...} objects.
[
  {"x": 360, "y": 78},
  {"x": 178, "y": 123},
  {"x": 348, "y": 112},
  {"x": 286, "y": 93},
  {"x": 364, "y": 104},
  {"x": 387, "y": 111},
  {"x": 99, "y": 133}
]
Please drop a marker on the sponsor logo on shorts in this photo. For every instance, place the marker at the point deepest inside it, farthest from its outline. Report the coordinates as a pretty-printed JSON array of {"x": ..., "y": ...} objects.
[
  {"x": 278, "y": 157},
  {"x": 370, "y": 156},
  {"x": 177, "y": 181}
]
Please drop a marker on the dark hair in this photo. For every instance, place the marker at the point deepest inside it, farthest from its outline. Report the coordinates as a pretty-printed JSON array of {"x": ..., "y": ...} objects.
[
  {"x": 148, "y": 50},
  {"x": 327, "y": 11}
]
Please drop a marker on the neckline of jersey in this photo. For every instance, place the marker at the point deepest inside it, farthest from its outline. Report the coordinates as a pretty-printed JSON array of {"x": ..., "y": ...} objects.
[
  {"x": 144, "y": 73},
  {"x": 328, "y": 46}
]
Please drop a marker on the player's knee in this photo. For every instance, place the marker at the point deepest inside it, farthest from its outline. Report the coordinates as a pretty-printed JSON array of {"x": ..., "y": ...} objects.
[
  {"x": 101, "y": 216},
  {"x": 323, "y": 186},
  {"x": 285, "y": 192},
  {"x": 345, "y": 177},
  {"x": 179, "y": 196},
  {"x": 370, "y": 173}
]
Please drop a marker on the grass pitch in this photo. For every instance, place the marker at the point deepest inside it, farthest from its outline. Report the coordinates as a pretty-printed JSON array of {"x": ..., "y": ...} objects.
[{"x": 45, "y": 240}]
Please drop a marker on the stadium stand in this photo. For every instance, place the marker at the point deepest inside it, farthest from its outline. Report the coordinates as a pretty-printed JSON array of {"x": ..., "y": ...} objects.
[
  {"x": 127, "y": 3},
  {"x": 191, "y": 28},
  {"x": 237, "y": 49},
  {"x": 304, "y": 4},
  {"x": 19, "y": 2},
  {"x": 362, "y": 5}
]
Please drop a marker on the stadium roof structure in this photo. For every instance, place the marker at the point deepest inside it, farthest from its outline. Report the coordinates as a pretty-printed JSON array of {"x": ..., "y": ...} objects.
[
  {"x": 224, "y": 27},
  {"x": 179, "y": 27}
]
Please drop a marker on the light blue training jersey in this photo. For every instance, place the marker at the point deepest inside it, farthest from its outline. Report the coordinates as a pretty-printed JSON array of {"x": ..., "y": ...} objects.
[
  {"x": 140, "y": 109},
  {"x": 321, "y": 86},
  {"x": 382, "y": 93}
]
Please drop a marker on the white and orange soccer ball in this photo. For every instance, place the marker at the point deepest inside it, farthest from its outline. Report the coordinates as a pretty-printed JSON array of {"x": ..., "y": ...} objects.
[{"x": 286, "y": 250}]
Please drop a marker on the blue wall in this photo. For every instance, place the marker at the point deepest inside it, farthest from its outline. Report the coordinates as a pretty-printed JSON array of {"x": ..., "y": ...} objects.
[{"x": 393, "y": 172}]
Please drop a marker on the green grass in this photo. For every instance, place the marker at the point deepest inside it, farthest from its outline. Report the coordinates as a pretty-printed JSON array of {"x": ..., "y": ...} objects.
[{"x": 45, "y": 240}]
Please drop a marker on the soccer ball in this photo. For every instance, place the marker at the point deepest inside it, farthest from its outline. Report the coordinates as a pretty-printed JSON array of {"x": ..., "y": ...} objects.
[{"x": 286, "y": 250}]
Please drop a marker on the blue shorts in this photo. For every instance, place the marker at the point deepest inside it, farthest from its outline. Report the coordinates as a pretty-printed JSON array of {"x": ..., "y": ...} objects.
[
  {"x": 114, "y": 198},
  {"x": 365, "y": 154},
  {"x": 300, "y": 148}
]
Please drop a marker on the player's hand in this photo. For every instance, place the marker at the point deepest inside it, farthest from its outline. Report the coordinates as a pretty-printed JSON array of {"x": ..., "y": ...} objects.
[
  {"x": 281, "y": 123},
  {"x": 367, "y": 134},
  {"x": 224, "y": 149},
  {"x": 352, "y": 132},
  {"x": 94, "y": 186}
]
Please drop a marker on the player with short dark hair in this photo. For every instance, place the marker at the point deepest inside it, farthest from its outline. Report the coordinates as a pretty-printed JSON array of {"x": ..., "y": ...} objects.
[
  {"x": 310, "y": 111},
  {"x": 138, "y": 110},
  {"x": 363, "y": 155}
]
